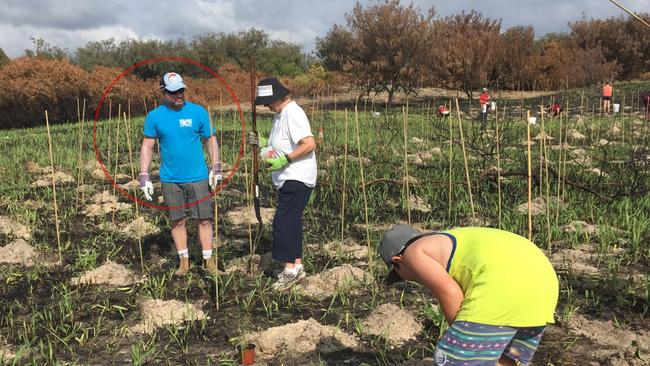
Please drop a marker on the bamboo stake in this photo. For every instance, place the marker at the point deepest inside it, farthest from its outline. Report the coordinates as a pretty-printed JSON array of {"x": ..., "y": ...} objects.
[
  {"x": 559, "y": 172},
  {"x": 407, "y": 193},
  {"x": 80, "y": 152},
  {"x": 117, "y": 152},
  {"x": 451, "y": 153},
  {"x": 496, "y": 121},
  {"x": 462, "y": 142},
  {"x": 137, "y": 210},
  {"x": 530, "y": 180},
  {"x": 108, "y": 130},
  {"x": 363, "y": 187},
  {"x": 345, "y": 172},
  {"x": 215, "y": 246},
  {"x": 548, "y": 198},
  {"x": 56, "y": 208}
]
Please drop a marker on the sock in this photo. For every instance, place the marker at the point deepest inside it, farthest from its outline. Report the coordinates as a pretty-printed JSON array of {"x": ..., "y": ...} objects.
[
  {"x": 184, "y": 253},
  {"x": 207, "y": 254},
  {"x": 299, "y": 267},
  {"x": 291, "y": 271}
]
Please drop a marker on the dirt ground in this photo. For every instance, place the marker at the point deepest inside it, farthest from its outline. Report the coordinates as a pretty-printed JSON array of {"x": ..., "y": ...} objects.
[{"x": 110, "y": 273}]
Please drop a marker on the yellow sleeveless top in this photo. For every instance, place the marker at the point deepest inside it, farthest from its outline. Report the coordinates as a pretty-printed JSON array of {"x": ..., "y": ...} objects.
[{"x": 506, "y": 279}]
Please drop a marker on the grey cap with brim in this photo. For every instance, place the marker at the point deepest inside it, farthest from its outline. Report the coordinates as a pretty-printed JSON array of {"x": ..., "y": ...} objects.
[{"x": 393, "y": 243}]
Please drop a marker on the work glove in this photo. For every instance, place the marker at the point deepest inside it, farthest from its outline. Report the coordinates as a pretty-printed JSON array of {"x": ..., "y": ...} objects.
[
  {"x": 254, "y": 139},
  {"x": 215, "y": 177},
  {"x": 278, "y": 163},
  {"x": 146, "y": 186}
]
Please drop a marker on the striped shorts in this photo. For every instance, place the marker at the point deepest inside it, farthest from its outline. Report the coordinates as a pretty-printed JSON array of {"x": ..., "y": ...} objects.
[{"x": 474, "y": 344}]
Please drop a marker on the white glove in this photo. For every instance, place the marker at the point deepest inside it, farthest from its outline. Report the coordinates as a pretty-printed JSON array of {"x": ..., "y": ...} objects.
[
  {"x": 215, "y": 177},
  {"x": 146, "y": 186}
]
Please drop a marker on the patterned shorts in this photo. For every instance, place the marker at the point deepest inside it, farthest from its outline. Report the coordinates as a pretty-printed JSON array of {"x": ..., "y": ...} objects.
[
  {"x": 474, "y": 344},
  {"x": 184, "y": 197}
]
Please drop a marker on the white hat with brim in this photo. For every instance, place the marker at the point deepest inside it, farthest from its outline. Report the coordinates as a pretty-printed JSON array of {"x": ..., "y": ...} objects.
[{"x": 172, "y": 82}]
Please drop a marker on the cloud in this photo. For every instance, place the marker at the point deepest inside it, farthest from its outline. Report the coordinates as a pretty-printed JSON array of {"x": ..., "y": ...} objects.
[{"x": 71, "y": 23}]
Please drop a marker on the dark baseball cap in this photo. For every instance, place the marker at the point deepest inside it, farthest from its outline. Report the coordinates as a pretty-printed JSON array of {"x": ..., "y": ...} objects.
[
  {"x": 394, "y": 243},
  {"x": 269, "y": 90}
]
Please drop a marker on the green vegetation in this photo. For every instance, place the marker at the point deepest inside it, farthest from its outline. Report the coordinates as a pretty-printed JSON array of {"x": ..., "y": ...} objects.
[{"x": 51, "y": 321}]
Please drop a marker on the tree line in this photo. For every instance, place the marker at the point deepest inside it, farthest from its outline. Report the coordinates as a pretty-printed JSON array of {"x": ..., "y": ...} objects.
[
  {"x": 385, "y": 47},
  {"x": 213, "y": 50},
  {"x": 389, "y": 47}
]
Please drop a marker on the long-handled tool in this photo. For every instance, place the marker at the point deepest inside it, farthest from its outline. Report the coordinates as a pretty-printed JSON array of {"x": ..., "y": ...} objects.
[{"x": 255, "y": 158}]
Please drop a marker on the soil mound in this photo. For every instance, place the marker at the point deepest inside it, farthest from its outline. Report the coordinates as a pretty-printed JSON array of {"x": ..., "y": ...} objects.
[
  {"x": 304, "y": 336},
  {"x": 13, "y": 229},
  {"x": 240, "y": 218},
  {"x": 611, "y": 336},
  {"x": 258, "y": 263},
  {"x": 110, "y": 273},
  {"x": 347, "y": 248},
  {"x": 580, "y": 226},
  {"x": 334, "y": 279},
  {"x": 139, "y": 227},
  {"x": 537, "y": 207},
  {"x": 59, "y": 177},
  {"x": 580, "y": 260},
  {"x": 392, "y": 323},
  {"x": 19, "y": 252},
  {"x": 104, "y": 203},
  {"x": 418, "y": 204},
  {"x": 157, "y": 313}
]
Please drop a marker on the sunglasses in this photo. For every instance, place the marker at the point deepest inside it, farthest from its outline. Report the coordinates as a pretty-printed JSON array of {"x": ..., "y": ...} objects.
[{"x": 177, "y": 92}]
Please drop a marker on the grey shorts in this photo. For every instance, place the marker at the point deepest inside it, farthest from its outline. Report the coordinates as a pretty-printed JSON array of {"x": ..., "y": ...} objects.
[{"x": 183, "y": 197}]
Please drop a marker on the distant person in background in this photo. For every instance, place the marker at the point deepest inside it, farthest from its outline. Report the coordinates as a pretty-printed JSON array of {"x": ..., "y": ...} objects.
[
  {"x": 181, "y": 128},
  {"x": 293, "y": 171},
  {"x": 496, "y": 289},
  {"x": 443, "y": 111},
  {"x": 484, "y": 99},
  {"x": 607, "y": 96},
  {"x": 556, "y": 109}
]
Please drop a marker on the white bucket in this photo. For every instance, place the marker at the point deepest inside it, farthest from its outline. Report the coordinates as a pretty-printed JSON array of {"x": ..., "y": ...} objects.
[
  {"x": 616, "y": 107},
  {"x": 493, "y": 105},
  {"x": 532, "y": 120}
]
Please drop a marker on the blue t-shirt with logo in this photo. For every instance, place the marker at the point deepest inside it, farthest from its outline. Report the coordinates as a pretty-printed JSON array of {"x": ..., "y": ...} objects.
[{"x": 180, "y": 134}]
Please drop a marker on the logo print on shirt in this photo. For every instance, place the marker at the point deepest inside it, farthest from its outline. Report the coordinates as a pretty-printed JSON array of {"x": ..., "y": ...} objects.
[{"x": 185, "y": 122}]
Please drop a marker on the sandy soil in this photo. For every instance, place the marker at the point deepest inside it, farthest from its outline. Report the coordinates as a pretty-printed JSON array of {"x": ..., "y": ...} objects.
[
  {"x": 392, "y": 323},
  {"x": 302, "y": 337},
  {"x": 537, "y": 207},
  {"x": 110, "y": 273},
  {"x": 46, "y": 180},
  {"x": 19, "y": 252},
  {"x": 14, "y": 229},
  {"x": 238, "y": 220},
  {"x": 158, "y": 313},
  {"x": 580, "y": 226},
  {"x": 417, "y": 203},
  {"x": 258, "y": 264},
  {"x": 139, "y": 227},
  {"x": 328, "y": 282},
  {"x": 103, "y": 203},
  {"x": 346, "y": 248}
]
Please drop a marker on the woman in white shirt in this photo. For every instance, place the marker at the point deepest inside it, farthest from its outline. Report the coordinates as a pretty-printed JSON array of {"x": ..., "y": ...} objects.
[{"x": 292, "y": 162}]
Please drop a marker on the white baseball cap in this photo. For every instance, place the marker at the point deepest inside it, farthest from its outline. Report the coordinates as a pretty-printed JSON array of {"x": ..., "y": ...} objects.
[{"x": 172, "y": 82}]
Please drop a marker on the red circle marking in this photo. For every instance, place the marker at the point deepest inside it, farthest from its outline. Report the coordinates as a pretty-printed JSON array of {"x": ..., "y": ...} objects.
[{"x": 129, "y": 71}]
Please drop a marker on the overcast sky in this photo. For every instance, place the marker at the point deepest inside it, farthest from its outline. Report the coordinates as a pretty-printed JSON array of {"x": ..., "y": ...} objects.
[{"x": 72, "y": 23}]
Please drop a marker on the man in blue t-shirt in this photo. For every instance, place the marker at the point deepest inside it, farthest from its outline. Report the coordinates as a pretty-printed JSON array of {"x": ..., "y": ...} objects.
[{"x": 181, "y": 128}]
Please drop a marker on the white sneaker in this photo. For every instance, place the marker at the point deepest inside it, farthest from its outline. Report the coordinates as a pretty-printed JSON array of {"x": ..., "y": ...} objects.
[{"x": 286, "y": 279}]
